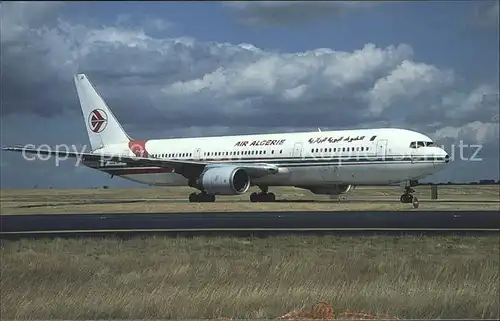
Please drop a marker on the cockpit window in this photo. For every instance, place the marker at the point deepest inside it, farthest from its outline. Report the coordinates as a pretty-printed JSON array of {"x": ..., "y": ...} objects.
[{"x": 421, "y": 144}]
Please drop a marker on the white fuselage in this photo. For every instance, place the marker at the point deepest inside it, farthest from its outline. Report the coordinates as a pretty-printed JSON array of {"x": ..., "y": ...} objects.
[{"x": 357, "y": 157}]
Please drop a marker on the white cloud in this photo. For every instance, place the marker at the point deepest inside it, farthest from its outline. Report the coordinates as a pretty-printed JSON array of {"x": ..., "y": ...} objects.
[
  {"x": 482, "y": 102},
  {"x": 406, "y": 81},
  {"x": 470, "y": 133},
  {"x": 17, "y": 17},
  {"x": 276, "y": 74}
]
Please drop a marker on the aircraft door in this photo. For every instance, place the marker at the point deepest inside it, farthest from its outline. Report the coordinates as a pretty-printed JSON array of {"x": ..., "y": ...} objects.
[
  {"x": 197, "y": 153},
  {"x": 382, "y": 148},
  {"x": 297, "y": 150}
]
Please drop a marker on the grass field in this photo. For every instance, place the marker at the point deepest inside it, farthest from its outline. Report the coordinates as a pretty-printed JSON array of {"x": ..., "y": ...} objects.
[
  {"x": 26, "y": 201},
  {"x": 210, "y": 277}
]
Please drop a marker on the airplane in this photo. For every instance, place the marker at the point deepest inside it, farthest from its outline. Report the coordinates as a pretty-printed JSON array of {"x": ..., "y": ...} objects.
[{"x": 323, "y": 162}]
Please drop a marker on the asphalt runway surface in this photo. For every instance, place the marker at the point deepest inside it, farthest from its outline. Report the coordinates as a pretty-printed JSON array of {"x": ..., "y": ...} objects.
[{"x": 252, "y": 223}]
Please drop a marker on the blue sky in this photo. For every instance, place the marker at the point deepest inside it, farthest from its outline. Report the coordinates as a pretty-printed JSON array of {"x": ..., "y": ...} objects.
[{"x": 454, "y": 44}]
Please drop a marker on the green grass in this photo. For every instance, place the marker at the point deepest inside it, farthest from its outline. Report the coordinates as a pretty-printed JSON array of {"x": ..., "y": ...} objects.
[{"x": 211, "y": 277}]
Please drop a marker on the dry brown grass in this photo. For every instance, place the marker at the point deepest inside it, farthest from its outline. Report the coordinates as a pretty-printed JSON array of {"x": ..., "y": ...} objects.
[
  {"x": 175, "y": 199},
  {"x": 210, "y": 277}
]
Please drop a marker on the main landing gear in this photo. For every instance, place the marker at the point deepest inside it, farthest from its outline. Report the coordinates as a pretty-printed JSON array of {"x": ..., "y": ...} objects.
[
  {"x": 202, "y": 197},
  {"x": 263, "y": 196},
  {"x": 407, "y": 197}
]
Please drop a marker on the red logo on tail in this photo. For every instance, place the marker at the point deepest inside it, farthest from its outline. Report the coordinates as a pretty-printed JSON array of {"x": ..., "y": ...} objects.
[{"x": 98, "y": 120}]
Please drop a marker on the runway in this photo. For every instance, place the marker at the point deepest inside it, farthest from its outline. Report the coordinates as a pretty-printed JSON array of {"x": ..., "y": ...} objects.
[{"x": 253, "y": 223}]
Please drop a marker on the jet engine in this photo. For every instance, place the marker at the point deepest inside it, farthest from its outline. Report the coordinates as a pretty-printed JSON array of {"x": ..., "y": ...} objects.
[
  {"x": 330, "y": 189},
  {"x": 224, "y": 180}
]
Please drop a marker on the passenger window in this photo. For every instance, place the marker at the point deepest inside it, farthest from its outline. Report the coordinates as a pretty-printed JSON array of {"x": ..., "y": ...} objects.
[
  {"x": 281, "y": 151},
  {"x": 272, "y": 152}
]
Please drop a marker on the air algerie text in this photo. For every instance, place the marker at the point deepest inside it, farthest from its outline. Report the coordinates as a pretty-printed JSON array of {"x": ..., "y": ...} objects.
[{"x": 268, "y": 142}]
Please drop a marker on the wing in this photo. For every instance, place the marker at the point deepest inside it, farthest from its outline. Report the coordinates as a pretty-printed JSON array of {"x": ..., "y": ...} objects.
[{"x": 183, "y": 167}]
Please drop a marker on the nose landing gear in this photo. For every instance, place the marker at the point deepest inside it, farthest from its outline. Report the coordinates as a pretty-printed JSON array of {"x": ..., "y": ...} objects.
[{"x": 407, "y": 197}]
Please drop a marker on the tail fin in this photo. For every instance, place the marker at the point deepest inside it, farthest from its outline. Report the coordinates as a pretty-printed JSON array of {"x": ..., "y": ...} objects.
[{"x": 102, "y": 126}]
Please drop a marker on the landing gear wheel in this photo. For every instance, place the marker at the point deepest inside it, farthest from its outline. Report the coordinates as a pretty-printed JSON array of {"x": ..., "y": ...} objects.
[
  {"x": 406, "y": 198},
  {"x": 262, "y": 197},
  {"x": 201, "y": 198},
  {"x": 254, "y": 197}
]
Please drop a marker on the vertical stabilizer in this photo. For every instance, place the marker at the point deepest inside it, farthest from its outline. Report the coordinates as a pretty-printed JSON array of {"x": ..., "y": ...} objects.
[{"x": 102, "y": 126}]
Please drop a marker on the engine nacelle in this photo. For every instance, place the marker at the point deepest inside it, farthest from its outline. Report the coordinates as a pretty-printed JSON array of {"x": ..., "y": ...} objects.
[
  {"x": 331, "y": 189},
  {"x": 224, "y": 180}
]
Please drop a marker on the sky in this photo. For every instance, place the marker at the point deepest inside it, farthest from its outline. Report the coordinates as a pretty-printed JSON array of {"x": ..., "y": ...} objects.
[{"x": 177, "y": 69}]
